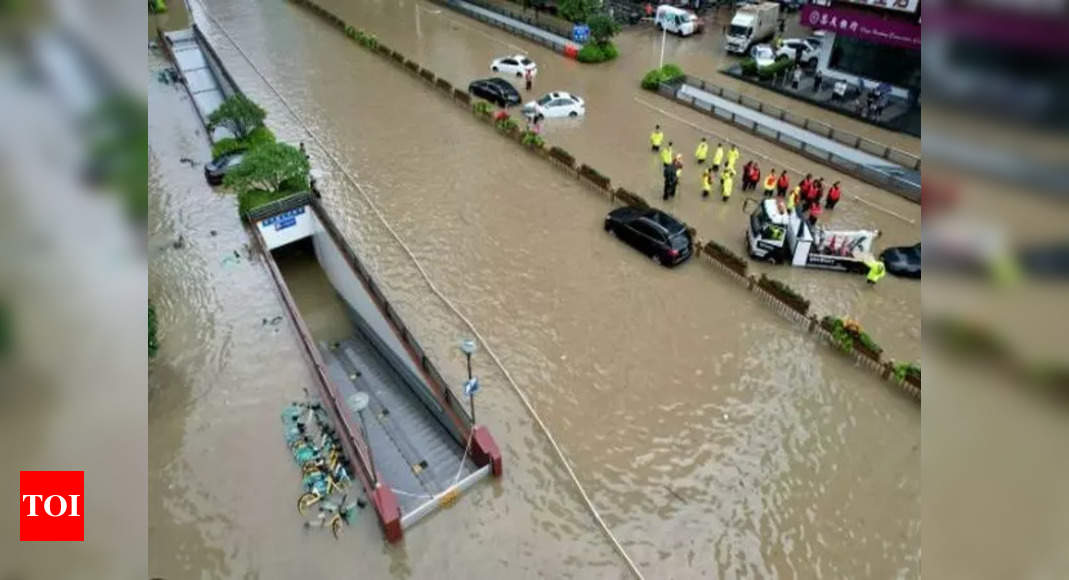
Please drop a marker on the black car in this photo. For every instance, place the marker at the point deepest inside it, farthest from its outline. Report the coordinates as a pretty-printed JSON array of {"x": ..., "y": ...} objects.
[
  {"x": 652, "y": 232},
  {"x": 903, "y": 261},
  {"x": 497, "y": 91},
  {"x": 215, "y": 171}
]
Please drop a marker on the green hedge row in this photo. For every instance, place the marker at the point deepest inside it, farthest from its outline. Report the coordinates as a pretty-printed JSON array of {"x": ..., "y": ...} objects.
[
  {"x": 668, "y": 73},
  {"x": 785, "y": 293},
  {"x": 735, "y": 262},
  {"x": 562, "y": 156},
  {"x": 258, "y": 136},
  {"x": 595, "y": 52}
]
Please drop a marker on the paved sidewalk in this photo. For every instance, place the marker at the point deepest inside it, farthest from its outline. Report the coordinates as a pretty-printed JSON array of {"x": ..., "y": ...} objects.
[
  {"x": 836, "y": 148},
  {"x": 540, "y": 35}
]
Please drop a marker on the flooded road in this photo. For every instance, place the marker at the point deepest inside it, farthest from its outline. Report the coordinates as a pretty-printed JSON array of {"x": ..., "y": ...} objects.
[
  {"x": 613, "y": 138},
  {"x": 716, "y": 439}
]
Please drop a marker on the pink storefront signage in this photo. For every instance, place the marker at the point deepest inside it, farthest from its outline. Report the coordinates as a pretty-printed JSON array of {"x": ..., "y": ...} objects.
[{"x": 864, "y": 25}]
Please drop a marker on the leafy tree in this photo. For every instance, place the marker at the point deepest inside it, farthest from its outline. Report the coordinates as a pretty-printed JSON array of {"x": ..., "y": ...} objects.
[
  {"x": 267, "y": 168},
  {"x": 238, "y": 114},
  {"x": 577, "y": 10},
  {"x": 602, "y": 27}
]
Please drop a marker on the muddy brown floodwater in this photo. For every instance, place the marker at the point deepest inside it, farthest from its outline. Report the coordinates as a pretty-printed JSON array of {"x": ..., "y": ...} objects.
[{"x": 716, "y": 439}]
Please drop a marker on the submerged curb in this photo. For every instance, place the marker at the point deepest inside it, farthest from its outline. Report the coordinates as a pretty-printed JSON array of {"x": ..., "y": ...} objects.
[{"x": 780, "y": 297}]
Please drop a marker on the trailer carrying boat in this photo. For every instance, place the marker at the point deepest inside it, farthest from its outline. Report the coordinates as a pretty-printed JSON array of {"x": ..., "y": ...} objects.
[
  {"x": 413, "y": 445},
  {"x": 778, "y": 235}
]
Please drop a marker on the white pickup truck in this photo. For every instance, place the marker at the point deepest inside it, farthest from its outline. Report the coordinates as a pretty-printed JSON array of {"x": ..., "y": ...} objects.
[
  {"x": 777, "y": 235},
  {"x": 752, "y": 24}
]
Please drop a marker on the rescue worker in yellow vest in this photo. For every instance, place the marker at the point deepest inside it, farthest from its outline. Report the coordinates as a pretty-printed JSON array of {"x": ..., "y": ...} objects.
[
  {"x": 794, "y": 197},
  {"x": 707, "y": 182},
  {"x": 666, "y": 154},
  {"x": 770, "y": 183},
  {"x": 656, "y": 138},
  {"x": 718, "y": 157},
  {"x": 733, "y": 156},
  {"x": 727, "y": 183},
  {"x": 876, "y": 271},
  {"x": 702, "y": 152}
]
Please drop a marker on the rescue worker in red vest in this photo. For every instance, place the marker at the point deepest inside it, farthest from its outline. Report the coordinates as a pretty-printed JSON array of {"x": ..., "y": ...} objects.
[
  {"x": 814, "y": 213},
  {"x": 833, "y": 195},
  {"x": 805, "y": 185},
  {"x": 782, "y": 184},
  {"x": 753, "y": 176},
  {"x": 746, "y": 175},
  {"x": 770, "y": 183}
]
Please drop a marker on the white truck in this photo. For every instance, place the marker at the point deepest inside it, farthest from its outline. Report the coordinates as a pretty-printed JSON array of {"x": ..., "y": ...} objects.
[
  {"x": 777, "y": 235},
  {"x": 677, "y": 20},
  {"x": 752, "y": 24}
]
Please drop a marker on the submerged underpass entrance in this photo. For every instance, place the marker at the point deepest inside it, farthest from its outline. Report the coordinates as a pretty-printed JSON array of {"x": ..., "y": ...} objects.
[{"x": 414, "y": 446}]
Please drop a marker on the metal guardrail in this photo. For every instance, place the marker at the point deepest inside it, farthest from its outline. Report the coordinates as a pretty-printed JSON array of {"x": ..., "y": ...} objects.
[
  {"x": 897, "y": 156},
  {"x": 908, "y": 189},
  {"x": 546, "y": 41}
]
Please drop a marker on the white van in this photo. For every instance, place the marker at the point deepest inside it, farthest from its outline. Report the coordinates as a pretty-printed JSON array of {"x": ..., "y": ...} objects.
[{"x": 677, "y": 20}]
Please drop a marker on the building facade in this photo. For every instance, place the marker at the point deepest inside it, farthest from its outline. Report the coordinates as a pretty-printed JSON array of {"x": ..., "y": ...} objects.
[{"x": 869, "y": 42}]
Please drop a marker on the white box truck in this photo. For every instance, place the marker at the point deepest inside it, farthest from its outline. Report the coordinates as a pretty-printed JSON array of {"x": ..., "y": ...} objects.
[{"x": 752, "y": 23}]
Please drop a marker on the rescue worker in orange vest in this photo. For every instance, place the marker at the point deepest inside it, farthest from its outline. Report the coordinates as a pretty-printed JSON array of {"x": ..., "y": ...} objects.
[
  {"x": 770, "y": 183},
  {"x": 782, "y": 184}
]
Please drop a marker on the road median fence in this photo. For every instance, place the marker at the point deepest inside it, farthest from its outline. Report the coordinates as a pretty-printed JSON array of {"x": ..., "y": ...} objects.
[{"x": 782, "y": 298}]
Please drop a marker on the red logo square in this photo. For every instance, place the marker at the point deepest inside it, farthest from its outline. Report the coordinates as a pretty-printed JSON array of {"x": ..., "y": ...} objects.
[{"x": 51, "y": 506}]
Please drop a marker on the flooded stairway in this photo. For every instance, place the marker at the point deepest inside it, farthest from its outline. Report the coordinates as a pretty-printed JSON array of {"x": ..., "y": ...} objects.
[{"x": 411, "y": 449}]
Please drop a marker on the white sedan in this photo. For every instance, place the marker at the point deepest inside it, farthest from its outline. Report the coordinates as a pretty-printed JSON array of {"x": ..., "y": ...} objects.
[
  {"x": 763, "y": 55},
  {"x": 514, "y": 65},
  {"x": 556, "y": 104},
  {"x": 789, "y": 47}
]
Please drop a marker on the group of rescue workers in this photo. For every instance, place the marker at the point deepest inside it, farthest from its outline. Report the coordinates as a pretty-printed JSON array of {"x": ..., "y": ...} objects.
[{"x": 807, "y": 197}]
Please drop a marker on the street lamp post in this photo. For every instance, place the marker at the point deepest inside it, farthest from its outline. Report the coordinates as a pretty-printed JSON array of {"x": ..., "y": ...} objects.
[
  {"x": 664, "y": 35},
  {"x": 358, "y": 401},
  {"x": 468, "y": 347}
]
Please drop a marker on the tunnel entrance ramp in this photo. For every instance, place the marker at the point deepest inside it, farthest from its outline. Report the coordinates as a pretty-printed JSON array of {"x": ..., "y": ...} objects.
[{"x": 413, "y": 445}]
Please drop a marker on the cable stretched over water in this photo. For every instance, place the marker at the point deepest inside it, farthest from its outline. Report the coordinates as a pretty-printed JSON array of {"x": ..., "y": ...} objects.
[{"x": 430, "y": 284}]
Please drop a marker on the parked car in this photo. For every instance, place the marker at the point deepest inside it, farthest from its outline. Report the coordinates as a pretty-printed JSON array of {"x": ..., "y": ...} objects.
[
  {"x": 215, "y": 171},
  {"x": 556, "y": 104},
  {"x": 497, "y": 91},
  {"x": 763, "y": 55},
  {"x": 789, "y": 47},
  {"x": 903, "y": 261},
  {"x": 514, "y": 65},
  {"x": 652, "y": 232}
]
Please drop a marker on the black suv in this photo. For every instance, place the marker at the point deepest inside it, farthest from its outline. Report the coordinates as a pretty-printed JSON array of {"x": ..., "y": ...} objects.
[
  {"x": 497, "y": 91},
  {"x": 652, "y": 232}
]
